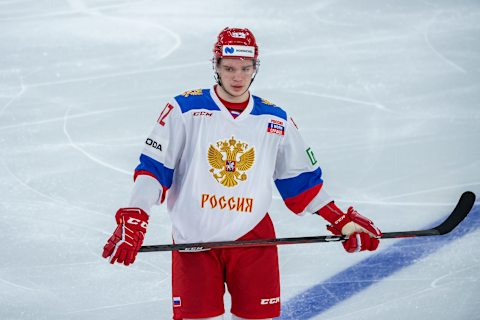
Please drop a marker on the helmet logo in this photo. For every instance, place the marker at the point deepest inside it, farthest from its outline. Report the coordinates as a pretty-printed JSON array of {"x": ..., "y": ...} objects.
[
  {"x": 239, "y": 51},
  {"x": 240, "y": 35}
]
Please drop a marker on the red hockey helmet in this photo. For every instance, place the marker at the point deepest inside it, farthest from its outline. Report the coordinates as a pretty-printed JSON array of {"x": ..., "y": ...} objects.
[{"x": 235, "y": 43}]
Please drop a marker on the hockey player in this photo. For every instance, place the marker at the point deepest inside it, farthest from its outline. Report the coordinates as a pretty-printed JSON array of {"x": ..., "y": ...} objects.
[{"x": 212, "y": 155}]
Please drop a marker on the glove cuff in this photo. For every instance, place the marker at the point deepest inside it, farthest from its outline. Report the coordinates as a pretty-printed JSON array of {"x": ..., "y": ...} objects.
[
  {"x": 135, "y": 218},
  {"x": 334, "y": 215}
]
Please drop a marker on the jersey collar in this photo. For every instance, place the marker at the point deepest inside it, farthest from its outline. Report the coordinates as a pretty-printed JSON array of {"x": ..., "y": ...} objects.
[{"x": 226, "y": 112}]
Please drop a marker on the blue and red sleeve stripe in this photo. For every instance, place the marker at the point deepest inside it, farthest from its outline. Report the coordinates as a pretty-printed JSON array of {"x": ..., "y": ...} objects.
[
  {"x": 151, "y": 167},
  {"x": 297, "y": 192}
]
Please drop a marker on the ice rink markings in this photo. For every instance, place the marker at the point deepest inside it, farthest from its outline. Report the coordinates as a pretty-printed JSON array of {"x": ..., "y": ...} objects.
[{"x": 356, "y": 278}]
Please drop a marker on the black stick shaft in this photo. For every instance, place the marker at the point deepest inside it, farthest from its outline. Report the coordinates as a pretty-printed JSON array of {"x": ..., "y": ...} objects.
[{"x": 463, "y": 207}]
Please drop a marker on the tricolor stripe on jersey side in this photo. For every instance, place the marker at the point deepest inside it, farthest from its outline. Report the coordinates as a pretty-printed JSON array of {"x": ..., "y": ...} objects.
[{"x": 297, "y": 192}]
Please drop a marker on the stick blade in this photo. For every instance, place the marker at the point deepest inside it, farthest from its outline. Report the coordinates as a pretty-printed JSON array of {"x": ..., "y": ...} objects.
[{"x": 463, "y": 207}]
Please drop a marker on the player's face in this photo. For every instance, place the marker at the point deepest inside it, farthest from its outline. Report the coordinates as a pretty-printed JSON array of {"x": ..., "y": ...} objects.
[{"x": 236, "y": 75}]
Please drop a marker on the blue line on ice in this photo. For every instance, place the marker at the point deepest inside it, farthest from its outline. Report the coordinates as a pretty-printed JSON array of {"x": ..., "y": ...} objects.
[{"x": 360, "y": 276}]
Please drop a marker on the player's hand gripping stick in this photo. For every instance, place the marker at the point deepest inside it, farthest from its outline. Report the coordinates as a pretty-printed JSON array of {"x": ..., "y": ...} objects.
[{"x": 362, "y": 233}]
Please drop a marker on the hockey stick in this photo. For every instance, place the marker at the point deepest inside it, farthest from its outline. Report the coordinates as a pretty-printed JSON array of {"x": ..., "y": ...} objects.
[{"x": 463, "y": 207}]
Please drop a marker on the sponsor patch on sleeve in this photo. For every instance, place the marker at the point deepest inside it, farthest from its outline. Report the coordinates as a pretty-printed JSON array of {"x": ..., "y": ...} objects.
[
  {"x": 276, "y": 127},
  {"x": 311, "y": 156},
  {"x": 155, "y": 147}
]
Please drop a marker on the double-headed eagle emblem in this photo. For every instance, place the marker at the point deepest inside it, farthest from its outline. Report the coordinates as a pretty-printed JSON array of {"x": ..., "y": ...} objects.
[{"x": 229, "y": 160}]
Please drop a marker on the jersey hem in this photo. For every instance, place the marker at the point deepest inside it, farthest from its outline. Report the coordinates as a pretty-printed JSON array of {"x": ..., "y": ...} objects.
[
  {"x": 197, "y": 315},
  {"x": 257, "y": 315}
]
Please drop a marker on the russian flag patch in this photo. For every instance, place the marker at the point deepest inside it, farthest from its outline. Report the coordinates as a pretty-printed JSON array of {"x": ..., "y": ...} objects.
[
  {"x": 177, "y": 302},
  {"x": 276, "y": 126}
]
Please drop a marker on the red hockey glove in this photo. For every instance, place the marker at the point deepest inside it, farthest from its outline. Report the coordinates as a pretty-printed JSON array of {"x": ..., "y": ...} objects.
[
  {"x": 363, "y": 234},
  {"x": 123, "y": 245}
]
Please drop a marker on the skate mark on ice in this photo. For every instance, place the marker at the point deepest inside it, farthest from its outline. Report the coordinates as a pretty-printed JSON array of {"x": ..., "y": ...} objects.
[
  {"x": 85, "y": 153},
  {"x": 57, "y": 119},
  {"x": 434, "y": 284},
  {"x": 376, "y": 105},
  {"x": 21, "y": 91},
  {"x": 51, "y": 200},
  {"x": 438, "y": 53},
  {"x": 458, "y": 186},
  {"x": 114, "y": 306}
]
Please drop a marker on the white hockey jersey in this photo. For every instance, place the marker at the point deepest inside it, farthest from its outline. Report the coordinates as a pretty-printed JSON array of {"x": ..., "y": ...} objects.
[{"x": 218, "y": 170}]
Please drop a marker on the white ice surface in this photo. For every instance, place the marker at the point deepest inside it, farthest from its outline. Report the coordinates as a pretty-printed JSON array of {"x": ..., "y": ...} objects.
[{"x": 387, "y": 93}]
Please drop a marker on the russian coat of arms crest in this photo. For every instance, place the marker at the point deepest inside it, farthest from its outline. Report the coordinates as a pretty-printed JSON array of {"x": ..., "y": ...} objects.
[{"x": 230, "y": 161}]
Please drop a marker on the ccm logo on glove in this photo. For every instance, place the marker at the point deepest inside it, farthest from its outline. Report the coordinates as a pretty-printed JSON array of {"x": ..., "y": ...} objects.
[
  {"x": 123, "y": 245},
  {"x": 134, "y": 221}
]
